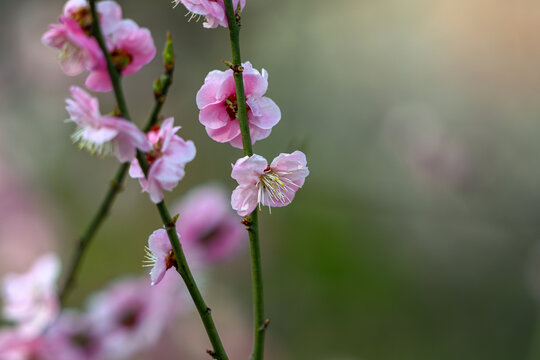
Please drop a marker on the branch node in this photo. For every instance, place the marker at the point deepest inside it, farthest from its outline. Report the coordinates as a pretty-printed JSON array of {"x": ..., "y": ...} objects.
[
  {"x": 208, "y": 311},
  {"x": 117, "y": 186},
  {"x": 213, "y": 354},
  {"x": 172, "y": 223},
  {"x": 264, "y": 325},
  {"x": 246, "y": 221},
  {"x": 237, "y": 69}
]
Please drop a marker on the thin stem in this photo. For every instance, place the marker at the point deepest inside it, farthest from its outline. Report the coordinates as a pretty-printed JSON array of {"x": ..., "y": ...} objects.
[
  {"x": 95, "y": 223},
  {"x": 183, "y": 269},
  {"x": 168, "y": 222},
  {"x": 251, "y": 222},
  {"x": 165, "y": 82}
]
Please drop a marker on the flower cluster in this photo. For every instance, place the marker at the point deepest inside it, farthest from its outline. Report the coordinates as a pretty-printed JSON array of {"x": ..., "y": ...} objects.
[
  {"x": 118, "y": 322},
  {"x": 129, "y": 315},
  {"x": 129, "y": 46},
  {"x": 271, "y": 185}
]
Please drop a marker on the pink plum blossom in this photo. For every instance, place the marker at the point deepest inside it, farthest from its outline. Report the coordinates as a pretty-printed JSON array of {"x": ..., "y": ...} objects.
[
  {"x": 217, "y": 101},
  {"x": 271, "y": 185},
  {"x": 16, "y": 346},
  {"x": 102, "y": 134},
  {"x": 72, "y": 36},
  {"x": 73, "y": 336},
  {"x": 130, "y": 46},
  {"x": 29, "y": 299},
  {"x": 167, "y": 159},
  {"x": 210, "y": 230},
  {"x": 159, "y": 255},
  {"x": 131, "y": 315},
  {"x": 212, "y": 10}
]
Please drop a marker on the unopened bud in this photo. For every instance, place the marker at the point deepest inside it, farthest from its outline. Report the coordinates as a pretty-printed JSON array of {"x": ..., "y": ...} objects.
[{"x": 168, "y": 55}]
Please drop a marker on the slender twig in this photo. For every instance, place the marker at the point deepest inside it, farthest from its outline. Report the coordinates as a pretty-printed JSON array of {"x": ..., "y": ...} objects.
[
  {"x": 85, "y": 239},
  {"x": 251, "y": 222},
  {"x": 183, "y": 268},
  {"x": 161, "y": 89}
]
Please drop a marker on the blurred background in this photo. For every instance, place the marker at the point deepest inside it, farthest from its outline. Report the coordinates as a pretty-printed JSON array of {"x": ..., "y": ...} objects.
[{"x": 416, "y": 235}]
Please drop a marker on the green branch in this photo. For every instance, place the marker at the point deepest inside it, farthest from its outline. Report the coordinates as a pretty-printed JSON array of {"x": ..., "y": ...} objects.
[
  {"x": 85, "y": 239},
  {"x": 251, "y": 221},
  {"x": 168, "y": 222}
]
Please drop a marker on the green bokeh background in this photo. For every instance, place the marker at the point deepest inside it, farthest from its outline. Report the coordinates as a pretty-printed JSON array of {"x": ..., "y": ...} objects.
[{"x": 416, "y": 235}]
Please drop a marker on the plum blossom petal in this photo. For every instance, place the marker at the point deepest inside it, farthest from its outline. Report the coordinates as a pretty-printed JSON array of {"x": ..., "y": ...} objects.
[
  {"x": 213, "y": 116},
  {"x": 266, "y": 113},
  {"x": 207, "y": 94},
  {"x": 226, "y": 133},
  {"x": 218, "y": 106},
  {"x": 244, "y": 199},
  {"x": 248, "y": 169}
]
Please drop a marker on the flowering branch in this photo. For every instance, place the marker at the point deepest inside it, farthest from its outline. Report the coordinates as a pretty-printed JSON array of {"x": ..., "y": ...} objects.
[
  {"x": 182, "y": 266},
  {"x": 251, "y": 221},
  {"x": 161, "y": 88}
]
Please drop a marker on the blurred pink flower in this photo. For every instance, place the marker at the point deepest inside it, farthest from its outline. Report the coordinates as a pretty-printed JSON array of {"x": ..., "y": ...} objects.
[
  {"x": 210, "y": 231},
  {"x": 217, "y": 101},
  {"x": 212, "y": 10},
  {"x": 103, "y": 134},
  {"x": 159, "y": 255},
  {"x": 131, "y": 316},
  {"x": 30, "y": 299},
  {"x": 73, "y": 337},
  {"x": 78, "y": 49},
  {"x": 167, "y": 160},
  {"x": 130, "y": 46},
  {"x": 16, "y": 346},
  {"x": 271, "y": 185}
]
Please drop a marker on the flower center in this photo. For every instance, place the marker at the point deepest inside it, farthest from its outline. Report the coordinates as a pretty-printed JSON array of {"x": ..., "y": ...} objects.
[
  {"x": 130, "y": 318},
  {"x": 121, "y": 59},
  {"x": 273, "y": 187},
  {"x": 232, "y": 106},
  {"x": 82, "y": 340},
  {"x": 155, "y": 153},
  {"x": 208, "y": 237},
  {"x": 83, "y": 17}
]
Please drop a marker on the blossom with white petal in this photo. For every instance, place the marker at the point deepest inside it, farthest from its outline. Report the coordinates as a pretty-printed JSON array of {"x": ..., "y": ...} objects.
[
  {"x": 101, "y": 134},
  {"x": 271, "y": 185}
]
